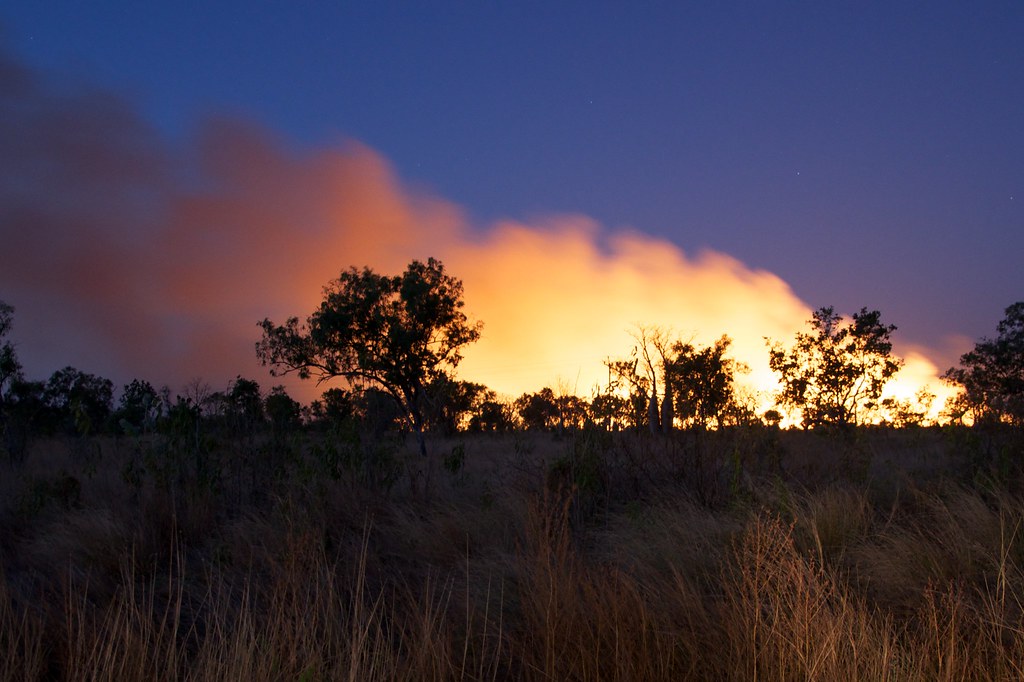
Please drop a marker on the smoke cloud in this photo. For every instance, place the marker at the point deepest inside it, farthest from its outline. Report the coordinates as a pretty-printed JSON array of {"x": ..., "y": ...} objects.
[{"x": 127, "y": 259}]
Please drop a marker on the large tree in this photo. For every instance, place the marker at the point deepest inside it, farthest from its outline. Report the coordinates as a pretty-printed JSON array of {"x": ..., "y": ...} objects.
[
  {"x": 395, "y": 332},
  {"x": 835, "y": 374},
  {"x": 992, "y": 375}
]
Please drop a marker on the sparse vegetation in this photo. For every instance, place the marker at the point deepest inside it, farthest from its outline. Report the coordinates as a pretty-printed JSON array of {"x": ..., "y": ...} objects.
[
  {"x": 239, "y": 535},
  {"x": 587, "y": 555}
]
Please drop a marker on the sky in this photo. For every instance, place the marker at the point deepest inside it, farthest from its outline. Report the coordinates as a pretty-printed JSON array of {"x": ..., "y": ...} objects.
[{"x": 171, "y": 173}]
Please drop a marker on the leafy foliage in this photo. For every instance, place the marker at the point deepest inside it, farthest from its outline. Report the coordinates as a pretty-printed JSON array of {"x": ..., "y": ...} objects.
[
  {"x": 450, "y": 402},
  {"x": 10, "y": 368},
  {"x": 22, "y": 402},
  {"x": 397, "y": 333},
  {"x": 544, "y": 410},
  {"x": 80, "y": 402},
  {"x": 836, "y": 373},
  {"x": 702, "y": 380},
  {"x": 992, "y": 375},
  {"x": 139, "y": 407}
]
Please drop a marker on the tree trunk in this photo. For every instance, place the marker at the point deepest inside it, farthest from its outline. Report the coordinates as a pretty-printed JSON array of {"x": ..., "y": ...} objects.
[{"x": 421, "y": 440}]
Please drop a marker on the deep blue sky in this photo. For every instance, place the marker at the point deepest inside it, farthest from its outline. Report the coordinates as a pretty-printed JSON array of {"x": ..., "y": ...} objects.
[{"x": 870, "y": 154}]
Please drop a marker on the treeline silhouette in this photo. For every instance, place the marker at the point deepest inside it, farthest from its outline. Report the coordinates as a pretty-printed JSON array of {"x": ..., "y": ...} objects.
[
  {"x": 665, "y": 527},
  {"x": 397, "y": 342}
]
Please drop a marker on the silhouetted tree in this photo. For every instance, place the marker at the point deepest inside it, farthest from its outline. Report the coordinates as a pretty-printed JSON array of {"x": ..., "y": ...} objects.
[
  {"x": 24, "y": 408},
  {"x": 79, "y": 402},
  {"x": 491, "y": 414},
  {"x": 334, "y": 407},
  {"x": 10, "y": 377},
  {"x": 396, "y": 332},
  {"x": 538, "y": 411},
  {"x": 21, "y": 402},
  {"x": 703, "y": 382},
  {"x": 908, "y": 413},
  {"x": 625, "y": 375},
  {"x": 639, "y": 375},
  {"x": 573, "y": 411},
  {"x": 544, "y": 410},
  {"x": 836, "y": 373},
  {"x": 139, "y": 407},
  {"x": 282, "y": 411},
  {"x": 610, "y": 411},
  {"x": 244, "y": 405},
  {"x": 10, "y": 368},
  {"x": 992, "y": 375},
  {"x": 449, "y": 402}
]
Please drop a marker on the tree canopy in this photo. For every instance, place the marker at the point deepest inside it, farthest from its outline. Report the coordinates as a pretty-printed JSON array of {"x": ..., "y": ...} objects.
[
  {"x": 396, "y": 332},
  {"x": 992, "y": 374},
  {"x": 10, "y": 368},
  {"x": 835, "y": 374},
  {"x": 702, "y": 381}
]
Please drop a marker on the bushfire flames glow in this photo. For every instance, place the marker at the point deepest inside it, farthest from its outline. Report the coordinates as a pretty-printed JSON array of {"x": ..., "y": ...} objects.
[
  {"x": 556, "y": 304},
  {"x": 156, "y": 279}
]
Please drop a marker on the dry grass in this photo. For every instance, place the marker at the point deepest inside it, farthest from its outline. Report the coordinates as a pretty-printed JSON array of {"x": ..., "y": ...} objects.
[{"x": 632, "y": 572}]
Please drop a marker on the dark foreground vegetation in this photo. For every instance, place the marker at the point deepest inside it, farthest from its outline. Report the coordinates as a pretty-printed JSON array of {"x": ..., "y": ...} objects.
[
  {"x": 417, "y": 527},
  {"x": 746, "y": 553}
]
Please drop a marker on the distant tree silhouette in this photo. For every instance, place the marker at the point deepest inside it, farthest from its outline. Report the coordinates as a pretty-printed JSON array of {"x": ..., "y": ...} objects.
[
  {"x": 10, "y": 368},
  {"x": 283, "y": 411},
  {"x": 138, "y": 408},
  {"x": 625, "y": 375},
  {"x": 538, "y": 411},
  {"x": 20, "y": 401},
  {"x": 836, "y": 373},
  {"x": 610, "y": 411},
  {"x": 907, "y": 412},
  {"x": 992, "y": 375},
  {"x": 544, "y": 410},
  {"x": 450, "y": 402},
  {"x": 80, "y": 403},
  {"x": 335, "y": 406},
  {"x": 491, "y": 414},
  {"x": 703, "y": 382},
  {"x": 394, "y": 332},
  {"x": 639, "y": 373},
  {"x": 23, "y": 414},
  {"x": 244, "y": 405}
]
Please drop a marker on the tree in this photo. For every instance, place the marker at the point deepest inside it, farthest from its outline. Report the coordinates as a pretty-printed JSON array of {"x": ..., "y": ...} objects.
[
  {"x": 702, "y": 380},
  {"x": 538, "y": 411},
  {"x": 335, "y": 406},
  {"x": 992, "y": 375},
  {"x": 244, "y": 405},
  {"x": 139, "y": 406},
  {"x": 282, "y": 410},
  {"x": 20, "y": 401},
  {"x": 396, "y": 332},
  {"x": 610, "y": 411},
  {"x": 449, "y": 402},
  {"x": 491, "y": 414},
  {"x": 836, "y": 373},
  {"x": 638, "y": 374},
  {"x": 10, "y": 368},
  {"x": 80, "y": 402}
]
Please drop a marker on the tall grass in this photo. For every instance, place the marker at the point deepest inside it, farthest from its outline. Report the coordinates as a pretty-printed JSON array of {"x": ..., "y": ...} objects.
[{"x": 507, "y": 573}]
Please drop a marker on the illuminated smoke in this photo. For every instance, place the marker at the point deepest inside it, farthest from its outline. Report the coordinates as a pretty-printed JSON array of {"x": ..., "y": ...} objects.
[{"x": 125, "y": 259}]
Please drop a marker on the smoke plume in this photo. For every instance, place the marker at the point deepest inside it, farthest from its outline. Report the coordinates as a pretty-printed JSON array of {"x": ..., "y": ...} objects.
[{"x": 125, "y": 258}]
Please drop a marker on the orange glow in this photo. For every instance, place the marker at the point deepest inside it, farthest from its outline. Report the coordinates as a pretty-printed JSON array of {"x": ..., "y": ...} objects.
[
  {"x": 555, "y": 305},
  {"x": 181, "y": 299},
  {"x": 557, "y": 297}
]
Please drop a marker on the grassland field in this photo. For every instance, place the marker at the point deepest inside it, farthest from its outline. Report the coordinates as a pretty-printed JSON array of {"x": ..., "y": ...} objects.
[{"x": 742, "y": 554}]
